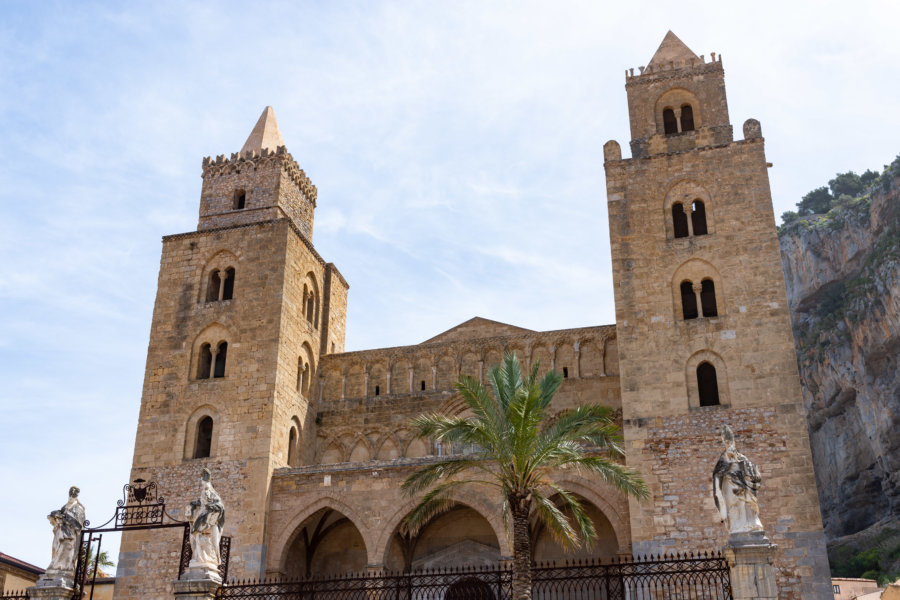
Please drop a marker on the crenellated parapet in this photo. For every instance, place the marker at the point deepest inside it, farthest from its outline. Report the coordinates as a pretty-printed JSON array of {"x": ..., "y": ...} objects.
[
  {"x": 253, "y": 159},
  {"x": 673, "y": 68}
]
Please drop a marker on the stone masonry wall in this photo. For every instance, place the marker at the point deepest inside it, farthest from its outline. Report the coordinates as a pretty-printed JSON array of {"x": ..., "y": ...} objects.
[
  {"x": 251, "y": 406},
  {"x": 274, "y": 187}
]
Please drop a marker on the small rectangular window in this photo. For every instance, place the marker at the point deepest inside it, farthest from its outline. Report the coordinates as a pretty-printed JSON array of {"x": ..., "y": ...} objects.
[
  {"x": 565, "y": 372},
  {"x": 836, "y": 589}
]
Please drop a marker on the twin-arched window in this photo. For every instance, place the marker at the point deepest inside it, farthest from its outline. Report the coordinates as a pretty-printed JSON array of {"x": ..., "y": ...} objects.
[
  {"x": 684, "y": 227},
  {"x": 212, "y": 361},
  {"x": 700, "y": 296},
  {"x": 680, "y": 121},
  {"x": 311, "y": 304},
  {"x": 220, "y": 285}
]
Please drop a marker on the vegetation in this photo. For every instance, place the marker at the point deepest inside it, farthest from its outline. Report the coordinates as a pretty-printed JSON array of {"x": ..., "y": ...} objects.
[
  {"x": 519, "y": 449},
  {"x": 840, "y": 193},
  {"x": 102, "y": 560},
  {"x": 872, "y": 563}
]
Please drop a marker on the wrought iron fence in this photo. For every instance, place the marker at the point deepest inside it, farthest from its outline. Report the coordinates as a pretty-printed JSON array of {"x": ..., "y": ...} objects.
[{"x": 678, "y": 577}]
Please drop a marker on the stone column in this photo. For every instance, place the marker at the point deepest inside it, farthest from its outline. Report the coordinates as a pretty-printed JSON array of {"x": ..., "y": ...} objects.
[
  {"x": 698, "y": 289},
  {"x": 750, "y": 558},
  {"x": 388, "y": 390},
  {"x": 51, "y": 589}
]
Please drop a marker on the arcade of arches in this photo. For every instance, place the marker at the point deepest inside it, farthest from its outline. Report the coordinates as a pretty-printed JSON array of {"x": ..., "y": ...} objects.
[{"x": 328, "y": 542}]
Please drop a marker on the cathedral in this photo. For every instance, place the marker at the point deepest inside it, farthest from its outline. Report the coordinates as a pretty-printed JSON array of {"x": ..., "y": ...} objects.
[{"x": 247, "y": 374}]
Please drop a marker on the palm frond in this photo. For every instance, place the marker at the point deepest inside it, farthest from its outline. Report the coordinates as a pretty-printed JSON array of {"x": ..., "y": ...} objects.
[
  {"x": 624, "y": 479},
  {"x": 430, "y": 474},
  {"x": 436, "y": 502},
  {"x": 556, "y": 522},
  {"x": 583, "y": 524}
]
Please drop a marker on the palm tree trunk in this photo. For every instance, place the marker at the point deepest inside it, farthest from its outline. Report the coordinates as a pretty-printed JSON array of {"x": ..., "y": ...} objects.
[{"x": 521, "y": 576}]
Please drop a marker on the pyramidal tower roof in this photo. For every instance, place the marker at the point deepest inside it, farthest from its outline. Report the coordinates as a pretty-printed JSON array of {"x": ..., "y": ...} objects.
[
  {"x": 265, "y": 133},
  {"x": 672, "y": 49}
]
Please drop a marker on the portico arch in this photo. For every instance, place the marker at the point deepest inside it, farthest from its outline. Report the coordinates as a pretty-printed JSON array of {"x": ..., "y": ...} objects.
[
  {"x": 470, "y": 499},
  {"x": 339, "y": 529}
]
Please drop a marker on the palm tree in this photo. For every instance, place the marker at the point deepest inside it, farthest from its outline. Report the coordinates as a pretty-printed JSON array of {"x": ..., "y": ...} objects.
[
  {"x": 102, "y": 561},
  {"x": 519, "y": 451}
]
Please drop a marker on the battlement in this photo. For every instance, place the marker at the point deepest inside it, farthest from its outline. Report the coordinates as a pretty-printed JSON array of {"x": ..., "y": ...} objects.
[
  {"x": 220, "y": 165},
  {"x": 653, "y": 72}
]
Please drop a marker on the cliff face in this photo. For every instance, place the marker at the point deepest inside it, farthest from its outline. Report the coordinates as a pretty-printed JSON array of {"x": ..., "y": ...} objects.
[{"x": 843, "y": 282}]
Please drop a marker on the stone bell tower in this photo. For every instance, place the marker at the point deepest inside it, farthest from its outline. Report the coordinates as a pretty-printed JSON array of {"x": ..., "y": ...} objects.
[
  {"x": 702, "y": 319},
  {"x": 245, "y": 308}
]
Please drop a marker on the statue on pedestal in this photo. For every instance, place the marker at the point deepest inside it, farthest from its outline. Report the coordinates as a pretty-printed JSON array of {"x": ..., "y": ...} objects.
[
  {"x": 67, "y": 523},
  {"x": 736, "y": 481},
  {"x": 207, "y": 518}
]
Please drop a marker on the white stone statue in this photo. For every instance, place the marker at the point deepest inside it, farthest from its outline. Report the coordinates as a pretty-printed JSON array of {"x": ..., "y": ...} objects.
[
  {"x": 67, "y": 523},
  {"x": 207, "y": 518},
  {"x": 735, "y": 484}
]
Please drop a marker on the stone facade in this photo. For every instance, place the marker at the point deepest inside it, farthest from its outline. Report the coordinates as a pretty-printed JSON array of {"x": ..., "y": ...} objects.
[
  {"x": 308, "y": 444},
  {"x": 699, "y": 290}
]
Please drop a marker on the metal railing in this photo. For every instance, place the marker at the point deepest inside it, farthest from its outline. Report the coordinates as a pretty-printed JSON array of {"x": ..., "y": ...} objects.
[{"x": 678, "y": 577}]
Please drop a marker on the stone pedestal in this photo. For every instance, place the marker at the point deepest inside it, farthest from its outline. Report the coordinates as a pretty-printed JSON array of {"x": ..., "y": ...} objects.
[
  {"x": 750, "y": 557},
  {"x": 197, "y": 583},
  {"x": 55, "y": 588}
]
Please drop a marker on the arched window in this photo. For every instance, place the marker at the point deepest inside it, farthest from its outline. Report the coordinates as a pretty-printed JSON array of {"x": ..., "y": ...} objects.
[
  {"x": 212, "y": 290},
  {"x": 687, "y": 118},
  {"x": 708, "y": 298},
  {"x": 292, "y": 448},
  {"x": 205, "y": 363},
  {"x": 228, "y": 288},
  {"x": 679, "y": 220},
  {"x": 310, "y": 308},
  {"x": 240, "y": 199},
  {"x": 669, "y": 122},
  {"x": 423, "y": 385},
  {"x": 221, "y": 354},
  {"x": 302, "y": 376},
  {"x": 204, "y": 438},
  {"x": 688, "y": 301},
  {"x": 377, "y": 390},
  {"x": 698, "y": 218},
  {"x": 707, "y": 384}
]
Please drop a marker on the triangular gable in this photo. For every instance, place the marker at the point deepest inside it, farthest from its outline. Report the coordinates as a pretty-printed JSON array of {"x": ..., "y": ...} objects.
[
  {"x": 476, "y": 328},
  {"x": 672, "y": 49}
]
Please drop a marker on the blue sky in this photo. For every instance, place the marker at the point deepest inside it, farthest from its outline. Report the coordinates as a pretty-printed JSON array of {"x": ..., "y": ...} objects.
[{"x": 457, "y": 148}]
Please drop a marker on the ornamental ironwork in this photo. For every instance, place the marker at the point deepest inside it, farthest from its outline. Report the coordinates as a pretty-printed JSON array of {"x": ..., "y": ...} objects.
[
  {"x": 140, "y": 508},
  {"x": 682, "y": 576}
]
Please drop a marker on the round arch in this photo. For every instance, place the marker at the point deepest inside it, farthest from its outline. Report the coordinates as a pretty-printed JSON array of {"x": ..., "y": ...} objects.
[
  {"x": 687, "y": 191},
  {"x": 675, "y": 99},
  {"x": 608, "y": 501},
  {"x": 292, "y": 529},
  {"x": 190, "y": 430},
  {"x": 693, "y": 391},
  {"x": 467, "y": 498},
  {"x": 697, "y": 270}
]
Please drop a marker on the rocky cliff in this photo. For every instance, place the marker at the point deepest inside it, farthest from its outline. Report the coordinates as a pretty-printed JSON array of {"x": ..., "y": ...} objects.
[{"x": 843, "y": 282}]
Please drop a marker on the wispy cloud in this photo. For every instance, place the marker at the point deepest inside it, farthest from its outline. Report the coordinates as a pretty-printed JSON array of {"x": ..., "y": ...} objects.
[{"x": 457, "y": 148}]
